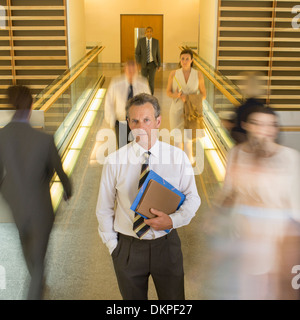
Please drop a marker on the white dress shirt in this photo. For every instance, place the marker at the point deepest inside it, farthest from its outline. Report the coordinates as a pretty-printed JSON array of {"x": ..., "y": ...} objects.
[
  {"x": 117, "y": 94},
  {"x": 119, "y": 187},
  {"x": 150, "y": 42}
]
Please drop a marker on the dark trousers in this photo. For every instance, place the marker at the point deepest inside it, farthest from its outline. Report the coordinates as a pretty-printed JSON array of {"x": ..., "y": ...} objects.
[
  {"x": 34, "y": 238},
  {"x": 122, "y": 133},
  {"x": 149, "y": 73},
  {"x": 135, "y": 260}
]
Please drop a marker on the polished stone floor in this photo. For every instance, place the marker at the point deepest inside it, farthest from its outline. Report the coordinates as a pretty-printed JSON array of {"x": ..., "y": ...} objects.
[{"x": 78, "y": 265}]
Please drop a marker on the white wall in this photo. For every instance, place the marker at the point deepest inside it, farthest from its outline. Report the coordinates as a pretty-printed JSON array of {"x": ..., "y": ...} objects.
[
  {"x": 208, "y": 12},
  {"x": 289, "y": 118},
  {"x": 76, "y": 30},
  {"x": 103, "y": 24},
  {"x": 290, "y": 139}
]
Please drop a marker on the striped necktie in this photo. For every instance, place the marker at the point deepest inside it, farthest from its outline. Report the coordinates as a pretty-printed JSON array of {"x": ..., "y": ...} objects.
[
  {"x": 148, "y": 51},
  {"x": 139, "y": 227},
  {"x": 130, "y": 92}
]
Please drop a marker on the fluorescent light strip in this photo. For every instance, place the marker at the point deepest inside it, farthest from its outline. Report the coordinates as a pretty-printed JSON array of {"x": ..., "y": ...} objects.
[
  {"x": 56, "y": 192},
  {"x": 100, "y": 93},
  {"x": 216, "y": 164},
  {"x": 96, "y": 104},
  {"x": 80, "y": 138},
  {"x": 73, "y": 152},
  {"x": 214, "y": 158},
  {"x": 207, "y": 141},
  {"x": 89, "y": 119},
  {"x": 70, "y": 160},
  {"x": 226, "y": 138}
]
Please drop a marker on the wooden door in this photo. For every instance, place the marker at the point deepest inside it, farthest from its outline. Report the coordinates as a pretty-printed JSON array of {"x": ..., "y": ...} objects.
[{"x": 131, "y": 21}]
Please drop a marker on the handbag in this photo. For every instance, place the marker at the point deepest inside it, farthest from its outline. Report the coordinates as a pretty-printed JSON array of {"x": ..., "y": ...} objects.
[{"x": 193, "y": 112}]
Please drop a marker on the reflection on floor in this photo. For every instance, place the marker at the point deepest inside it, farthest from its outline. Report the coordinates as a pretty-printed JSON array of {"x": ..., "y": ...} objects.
[{"x": 78, "y": 264}]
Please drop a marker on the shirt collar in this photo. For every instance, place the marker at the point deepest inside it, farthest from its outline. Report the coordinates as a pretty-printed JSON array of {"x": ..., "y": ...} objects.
[
  {"x": 21, "y": 116},
  {"x": 134, "y": 80},
  {"x": 139, "y": 150}
]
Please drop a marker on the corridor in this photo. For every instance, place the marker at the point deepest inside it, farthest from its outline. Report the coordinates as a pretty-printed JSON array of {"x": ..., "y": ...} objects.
[{"x": 78, "y": 264}]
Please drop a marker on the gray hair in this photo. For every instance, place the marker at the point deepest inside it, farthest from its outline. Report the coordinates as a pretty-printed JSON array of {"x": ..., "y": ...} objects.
[{"x": 141, "y": 99}]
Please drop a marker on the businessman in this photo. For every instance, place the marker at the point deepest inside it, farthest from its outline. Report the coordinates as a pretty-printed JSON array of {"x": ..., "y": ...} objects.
[
  {"x": 147, "y": 54},
  {"x": 140, "y": 248},
  {"x": 122, "y": 88},
  {"x": 28, "y": 159}
]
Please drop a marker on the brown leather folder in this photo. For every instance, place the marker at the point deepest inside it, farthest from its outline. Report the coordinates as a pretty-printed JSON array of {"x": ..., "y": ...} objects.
[{"x": 158, "y": 197}]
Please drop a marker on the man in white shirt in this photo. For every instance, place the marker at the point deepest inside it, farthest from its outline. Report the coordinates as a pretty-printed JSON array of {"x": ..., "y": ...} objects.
[
  {"x": 155, "y": 252},
  {"x": 121, "y": 89}
]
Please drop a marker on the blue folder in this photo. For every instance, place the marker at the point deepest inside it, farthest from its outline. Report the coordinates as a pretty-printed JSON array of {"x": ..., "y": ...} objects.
[{"x": 154, "y": 176}]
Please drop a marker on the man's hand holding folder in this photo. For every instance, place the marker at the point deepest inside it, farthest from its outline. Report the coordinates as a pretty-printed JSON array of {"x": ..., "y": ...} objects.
[
  {"x": 156, "y": 200},
  {"x": 162, "y": 221}
]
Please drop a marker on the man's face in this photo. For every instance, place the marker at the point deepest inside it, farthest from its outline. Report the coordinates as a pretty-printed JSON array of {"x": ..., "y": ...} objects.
[
  {"x": 141, "y": 122},
  {"x": 131, "y": 72},
  {"x": 148, "y": 33}
]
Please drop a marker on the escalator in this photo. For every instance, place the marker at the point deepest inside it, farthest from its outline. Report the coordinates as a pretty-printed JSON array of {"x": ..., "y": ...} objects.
[
  {"x": 66, "y": 109},
  {"x": 79, "y": 264}
]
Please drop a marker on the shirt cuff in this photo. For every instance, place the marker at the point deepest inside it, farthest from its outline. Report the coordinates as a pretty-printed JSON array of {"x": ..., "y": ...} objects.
[
  {"x": 175, "y": 222},
  {"x": 111, "y": 245}
]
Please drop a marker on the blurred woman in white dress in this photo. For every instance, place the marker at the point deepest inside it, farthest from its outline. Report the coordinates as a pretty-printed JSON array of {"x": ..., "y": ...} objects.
[{"x": 263, "y": 182}]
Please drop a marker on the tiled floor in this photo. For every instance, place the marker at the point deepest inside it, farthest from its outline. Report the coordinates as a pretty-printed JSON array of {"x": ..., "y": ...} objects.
[{"x": 78, "y": 264}]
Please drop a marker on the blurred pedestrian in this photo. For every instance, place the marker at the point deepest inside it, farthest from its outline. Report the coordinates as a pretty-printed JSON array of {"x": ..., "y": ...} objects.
[
  {"x": 260, "y": 201},
  {"x": 120, "y": 90},
  {"x": 252, "y": 88},
  {"x": 28, "y": 159}
]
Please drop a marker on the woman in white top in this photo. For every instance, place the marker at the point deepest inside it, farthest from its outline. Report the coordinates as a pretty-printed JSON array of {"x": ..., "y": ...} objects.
[
  {"x": 182, "y": 82},
  {"x": 263, "y": 182}
]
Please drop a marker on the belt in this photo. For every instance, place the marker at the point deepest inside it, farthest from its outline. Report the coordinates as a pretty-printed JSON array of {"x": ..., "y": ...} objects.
[{"x": 133, "y": 239}]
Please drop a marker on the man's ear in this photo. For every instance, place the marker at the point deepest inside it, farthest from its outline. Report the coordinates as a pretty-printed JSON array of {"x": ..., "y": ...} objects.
[{"x": 158, "y": 121}]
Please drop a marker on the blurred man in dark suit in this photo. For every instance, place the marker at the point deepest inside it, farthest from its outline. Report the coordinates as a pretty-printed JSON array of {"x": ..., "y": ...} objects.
[
  {"x": 28, "y": 159},
  {"x": 147, "y": 54}
]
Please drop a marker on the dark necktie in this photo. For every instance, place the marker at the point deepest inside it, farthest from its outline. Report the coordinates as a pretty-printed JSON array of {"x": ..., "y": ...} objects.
[
  {"x": 130, "y": 92},
  {"x": 139, "y": 227},
  {"x": 148, "y": 51}
]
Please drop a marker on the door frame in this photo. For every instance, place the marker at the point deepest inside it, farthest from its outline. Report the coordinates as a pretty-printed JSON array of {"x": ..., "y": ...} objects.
[{"x": 137, "y": 14}]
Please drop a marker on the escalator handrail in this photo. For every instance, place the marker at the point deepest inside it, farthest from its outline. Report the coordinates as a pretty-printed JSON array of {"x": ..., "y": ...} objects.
[
  {"x": 222, "y": 78},
  {"x": 85, "y": 62},
  {"x": 60, "y": 79}
]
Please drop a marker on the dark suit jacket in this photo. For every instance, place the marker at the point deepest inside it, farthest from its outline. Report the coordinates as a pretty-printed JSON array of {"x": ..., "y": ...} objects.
[
  {"x": 141, "y": 52},
  {"x": 28, "y": 159}
]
